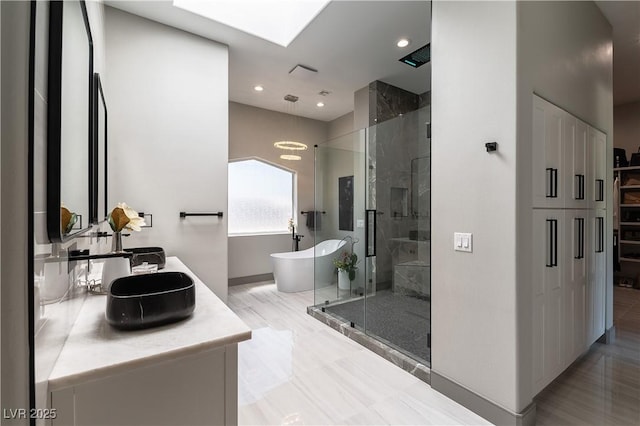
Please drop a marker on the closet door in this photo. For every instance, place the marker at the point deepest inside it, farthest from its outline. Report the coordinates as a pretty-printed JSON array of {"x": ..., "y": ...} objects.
[
  {"x": 547, "y": 150},
  {"x": 596, "y": 283},
  {"x": 576, "y": 236},
  {"x": 577, "y": 168},
  {"x": 548, "y": 300},
  {"x": 598, "y": 148}
]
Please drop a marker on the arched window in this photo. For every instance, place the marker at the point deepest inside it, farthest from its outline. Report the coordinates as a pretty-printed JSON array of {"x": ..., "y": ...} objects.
[{"x": 261, "y": 198}]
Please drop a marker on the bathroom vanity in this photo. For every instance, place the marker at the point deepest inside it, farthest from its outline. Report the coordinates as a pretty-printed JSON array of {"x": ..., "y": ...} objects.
[{"x": 183, "y": 373}]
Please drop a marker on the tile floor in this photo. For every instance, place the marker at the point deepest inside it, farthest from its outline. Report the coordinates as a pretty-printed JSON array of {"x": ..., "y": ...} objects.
[
  {"x": 296, "y": 370},
  {"x": 602, "y": 387}
]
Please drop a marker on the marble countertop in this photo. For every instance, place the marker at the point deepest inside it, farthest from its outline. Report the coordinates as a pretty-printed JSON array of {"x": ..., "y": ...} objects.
[{"x": 95, "y": 350}]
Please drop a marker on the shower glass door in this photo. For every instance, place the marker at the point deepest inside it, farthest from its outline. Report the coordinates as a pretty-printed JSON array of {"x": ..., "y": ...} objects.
[
  {"x": 340, "y": 188},
  {"x": 373, "y": 187},
  {"x": 398, "y": 308}
]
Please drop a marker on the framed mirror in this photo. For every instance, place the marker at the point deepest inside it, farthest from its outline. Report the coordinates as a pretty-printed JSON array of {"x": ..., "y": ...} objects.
[
  {"x": 100, "y": 138},
  {"x": 70, "y": 149}
]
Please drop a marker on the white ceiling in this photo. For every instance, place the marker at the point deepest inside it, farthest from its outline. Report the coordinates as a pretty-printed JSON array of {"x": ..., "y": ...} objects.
[
  {"x": 624, "y": 16},
  {"x": 350, "y": 43}
]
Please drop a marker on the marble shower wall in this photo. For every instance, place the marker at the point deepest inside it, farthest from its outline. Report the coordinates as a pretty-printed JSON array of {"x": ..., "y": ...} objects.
[{"x": 398, "y": 135}]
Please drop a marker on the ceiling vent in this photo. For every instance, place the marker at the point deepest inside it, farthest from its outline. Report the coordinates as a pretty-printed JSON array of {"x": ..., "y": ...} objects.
[
  {"x": 303, "y": 71},
  {"x": 418, "y": 57},
  {"x": 324, "y": 92},
  {"x": 291, "y": 98}
]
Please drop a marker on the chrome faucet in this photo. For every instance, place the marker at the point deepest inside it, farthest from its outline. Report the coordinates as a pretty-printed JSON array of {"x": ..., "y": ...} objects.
[{"x": 79, "y": 255}]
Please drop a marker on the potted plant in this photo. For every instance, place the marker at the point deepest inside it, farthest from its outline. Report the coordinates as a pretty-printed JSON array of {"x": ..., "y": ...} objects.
[{"x": 346, "y": 265}]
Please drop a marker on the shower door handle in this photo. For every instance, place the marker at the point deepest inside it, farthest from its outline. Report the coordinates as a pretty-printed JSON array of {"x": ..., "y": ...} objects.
[{"x": 370, "y": 232}]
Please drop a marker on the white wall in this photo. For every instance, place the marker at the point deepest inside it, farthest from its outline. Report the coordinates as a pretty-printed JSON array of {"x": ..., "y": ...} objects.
[
  {"x": 252, "y": 132},
  {"x": 474, "y": 101},
  {"x": 167, "y": 98},
  {"x": 567, "y": 61},
  {"x": 14, "y": 352},
  {"x": 626, "y": 127},
  {"x": 249, "y": 255},
  {"x": 341, "y": 126},
  {"x": 361, "y": 108}
]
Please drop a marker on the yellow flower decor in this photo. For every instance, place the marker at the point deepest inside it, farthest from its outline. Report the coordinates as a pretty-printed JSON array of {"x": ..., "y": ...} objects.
[
  {"x": 67, "y": 219},
  {"x": 123, "y": 216}
]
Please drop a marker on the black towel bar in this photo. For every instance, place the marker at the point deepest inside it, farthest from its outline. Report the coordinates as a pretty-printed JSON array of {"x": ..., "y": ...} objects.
[
  {"x": 185, "y": 214},
  {"x": 308, "y": 212}
]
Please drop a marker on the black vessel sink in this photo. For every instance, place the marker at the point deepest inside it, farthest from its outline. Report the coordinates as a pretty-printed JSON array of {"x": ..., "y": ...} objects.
[
  {"x": 153, "y": 255},
  {"x": 148, "y": 300}
]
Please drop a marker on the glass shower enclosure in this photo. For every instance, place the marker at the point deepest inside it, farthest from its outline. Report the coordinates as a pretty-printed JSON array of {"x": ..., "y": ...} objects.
[{"x": 372, "y": 193}]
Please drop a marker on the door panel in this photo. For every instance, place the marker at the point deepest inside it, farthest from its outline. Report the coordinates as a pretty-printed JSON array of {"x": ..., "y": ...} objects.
[{"x": 548, "y": 168}]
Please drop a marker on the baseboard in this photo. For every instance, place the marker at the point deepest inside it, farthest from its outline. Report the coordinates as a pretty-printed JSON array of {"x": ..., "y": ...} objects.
[
  {"x": 483, "y": 407},
  {"x": 250, "y": 279},
  {"x": 609, "y": 336}
]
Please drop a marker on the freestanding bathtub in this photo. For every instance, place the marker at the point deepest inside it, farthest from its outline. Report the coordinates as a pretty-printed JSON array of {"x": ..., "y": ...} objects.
[{"x": 294, "y": 271}]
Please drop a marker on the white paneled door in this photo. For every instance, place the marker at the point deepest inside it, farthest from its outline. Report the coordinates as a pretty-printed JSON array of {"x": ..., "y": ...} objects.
[
  {"x": 569, "y": 217},
  {"x": 548, "y": 167},
  {"x": 548, "y": 264}
]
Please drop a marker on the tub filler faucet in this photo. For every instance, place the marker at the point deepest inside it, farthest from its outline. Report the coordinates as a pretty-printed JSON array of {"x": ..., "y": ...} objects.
[
  {"x": 353, "y": 241},
  {"x": 295, "y": 245}
]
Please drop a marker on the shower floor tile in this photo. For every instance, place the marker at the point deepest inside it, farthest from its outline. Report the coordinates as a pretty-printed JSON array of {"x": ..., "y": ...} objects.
[{"x": 399, "y": 320}]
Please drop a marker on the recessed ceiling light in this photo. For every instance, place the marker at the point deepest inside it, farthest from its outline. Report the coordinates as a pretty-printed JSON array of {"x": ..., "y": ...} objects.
[
  {"x": 258, "y": 88},
  {"x": 403, "y": 42},
  {"x": 290, "y": 157},
  {"x": 320, "y": 104}
]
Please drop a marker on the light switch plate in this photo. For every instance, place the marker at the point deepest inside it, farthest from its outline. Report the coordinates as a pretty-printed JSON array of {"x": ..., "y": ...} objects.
[
  {"x": 360, "y": 223},
  {"x": 463, "y": 241}
]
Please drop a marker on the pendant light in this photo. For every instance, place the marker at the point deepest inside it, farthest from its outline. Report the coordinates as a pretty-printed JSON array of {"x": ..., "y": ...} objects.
[{"x": 288, "y": 144}]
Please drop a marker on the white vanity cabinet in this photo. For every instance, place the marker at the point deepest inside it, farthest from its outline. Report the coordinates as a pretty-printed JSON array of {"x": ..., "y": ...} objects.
[
  {"x": 183, "y": 373},
  {"x": 198, "y": 389}
]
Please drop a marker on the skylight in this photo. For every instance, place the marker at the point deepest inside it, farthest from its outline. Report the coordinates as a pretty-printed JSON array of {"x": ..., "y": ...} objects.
[{"x": 277, "y": 21}]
